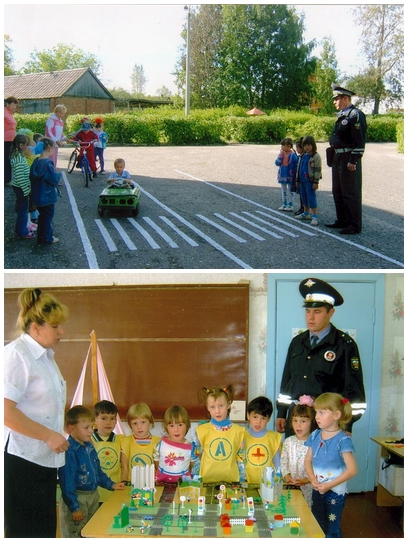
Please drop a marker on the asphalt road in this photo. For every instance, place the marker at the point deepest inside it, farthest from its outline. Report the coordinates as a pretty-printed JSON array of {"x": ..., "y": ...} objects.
[{"x": 215, "y": 207}]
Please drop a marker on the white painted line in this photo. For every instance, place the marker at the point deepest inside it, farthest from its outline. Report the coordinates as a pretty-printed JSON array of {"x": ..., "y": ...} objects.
[
  {"x": 214, "y": 244},
  {"x": 144, "y": 233},
  {"x": 106, "y": 235},
  {"x": 247, "y": 231},
  {"x": 321, "y": 231},
  {"x": 181, "y": 233},
  {"x": 128, "y": 242},
  {"x": 220, "y": 228},
  {"x": 88, "y": 250},
  {"x": 271, "y": 225},
  {"x": 289, "y": 225},
  {"x": 271, "y": 233},
  {"x": 162, "y": 233}
]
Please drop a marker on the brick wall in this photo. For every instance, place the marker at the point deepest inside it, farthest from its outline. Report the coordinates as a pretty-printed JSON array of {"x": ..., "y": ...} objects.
[{"x": 84, "y": 105}]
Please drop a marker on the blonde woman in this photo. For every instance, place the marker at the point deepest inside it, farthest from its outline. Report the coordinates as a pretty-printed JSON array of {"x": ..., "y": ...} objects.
[
  {"x": 34, "y": 403},
  {"x": 54, "y": 130}
]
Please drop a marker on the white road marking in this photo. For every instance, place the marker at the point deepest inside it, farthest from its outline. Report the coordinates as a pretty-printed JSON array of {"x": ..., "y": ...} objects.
[
  {"x": 106, "y": 235},
  {"x": 271, "y": 225},
  {"x": 204, "y": 236},
  {"x": 162, "y": 233},
  {"x": 244, "y": 229},
  {"x": 271, "y": 233},
  {"x": 129, "y": 243},
  {"x": 178, "y": 231},
  {"x": 144, "y": 233},
  {"x": 88, "y": 250},
  {"x": 321, "y": 231},
  {"x": 223, "y": 229},
  {"x": 289, "y": 225}
]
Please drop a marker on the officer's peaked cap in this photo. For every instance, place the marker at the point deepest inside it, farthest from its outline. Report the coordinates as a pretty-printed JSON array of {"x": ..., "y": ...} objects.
[
  {"x": 318, "y": 293},
  {"x": 339, "y": 91}
]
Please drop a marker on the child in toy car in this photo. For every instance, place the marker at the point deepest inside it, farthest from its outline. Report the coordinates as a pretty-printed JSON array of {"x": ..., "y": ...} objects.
[
  {"x": 122, "y": 192},
  {"x": 120, "y": 173}
]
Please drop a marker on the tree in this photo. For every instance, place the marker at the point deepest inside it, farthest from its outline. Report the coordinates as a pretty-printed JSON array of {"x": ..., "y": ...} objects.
[
  {"x": 382, "y": 42},
  {"x": 248, "y": 55},
  {"x": 326, "y": 73},
  {"x": 62, "y": 56},
  {"x": 8, "y": 57},
  {"x": 138, "y": 80},
  {"x": 205, "y": 31},
  {"x": 164, "y": 92},
  {"x": 120, "y": 93},
  {"x": 206, "y": 34}
]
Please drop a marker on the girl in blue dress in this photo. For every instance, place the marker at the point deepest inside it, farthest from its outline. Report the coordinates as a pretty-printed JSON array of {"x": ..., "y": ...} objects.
[{"x": 330, "y": 462}]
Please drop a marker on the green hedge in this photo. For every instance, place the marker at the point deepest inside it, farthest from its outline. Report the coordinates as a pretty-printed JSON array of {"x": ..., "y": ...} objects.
[
  {"x": 218, "y": 126},
  {"x": 259, "y": 129},
  {"x": 400, "y": 137},
  {"x": 382, "y": 129}
]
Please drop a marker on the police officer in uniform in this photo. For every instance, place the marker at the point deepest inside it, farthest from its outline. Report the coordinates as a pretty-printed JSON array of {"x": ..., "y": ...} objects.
[
  {"x": 348, "y": 141},
  {"x": 321, "y": 359}
]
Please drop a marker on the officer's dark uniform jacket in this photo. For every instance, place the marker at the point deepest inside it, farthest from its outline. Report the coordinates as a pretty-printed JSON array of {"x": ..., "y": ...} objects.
[
  {"x": 350, "y": 132},
  {"x": 333, "y": 365}
]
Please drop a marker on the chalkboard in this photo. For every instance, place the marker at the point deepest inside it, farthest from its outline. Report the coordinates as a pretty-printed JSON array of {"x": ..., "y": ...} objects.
[{"x": 159, "y": 344}]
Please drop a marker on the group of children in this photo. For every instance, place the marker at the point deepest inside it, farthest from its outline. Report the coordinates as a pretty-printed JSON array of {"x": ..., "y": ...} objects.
[
  {"x": 318, "y": 458},
  {"x": 299, "y": 173},
  {"x": 35, "y": 180}
]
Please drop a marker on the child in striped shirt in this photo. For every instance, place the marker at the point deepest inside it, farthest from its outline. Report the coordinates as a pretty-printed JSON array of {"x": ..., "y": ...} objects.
[{"x": 21, "y": 184}]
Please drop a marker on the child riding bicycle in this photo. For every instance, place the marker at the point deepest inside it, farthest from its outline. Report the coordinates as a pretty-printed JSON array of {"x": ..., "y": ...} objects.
[{"x": 86, "y": 137}]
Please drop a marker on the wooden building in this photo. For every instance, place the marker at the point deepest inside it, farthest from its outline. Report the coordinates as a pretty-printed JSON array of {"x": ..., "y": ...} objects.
[
  {"x": 129, "y": 105},
  {"x": 79, "y": 90}
]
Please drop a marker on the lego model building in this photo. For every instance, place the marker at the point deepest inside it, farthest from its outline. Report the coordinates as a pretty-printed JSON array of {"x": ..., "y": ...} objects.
[{"x": 143, "y": 483}]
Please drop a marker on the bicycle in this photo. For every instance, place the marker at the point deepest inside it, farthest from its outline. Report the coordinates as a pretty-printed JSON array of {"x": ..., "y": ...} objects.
[{"x": 80, "y": 150}]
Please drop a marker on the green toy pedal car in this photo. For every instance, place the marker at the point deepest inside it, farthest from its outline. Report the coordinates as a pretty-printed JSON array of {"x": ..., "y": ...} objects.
[{"x": 120, "y": 196}]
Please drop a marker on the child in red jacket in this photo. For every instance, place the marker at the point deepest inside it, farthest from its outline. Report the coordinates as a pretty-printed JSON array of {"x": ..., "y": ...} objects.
[{"x": 86, "y": 136}]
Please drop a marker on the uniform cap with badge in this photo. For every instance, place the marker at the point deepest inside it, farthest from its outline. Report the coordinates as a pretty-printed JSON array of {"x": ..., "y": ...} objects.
[
  {"x": 338, "y": 91},
  {"x": 318, "y": 293}
]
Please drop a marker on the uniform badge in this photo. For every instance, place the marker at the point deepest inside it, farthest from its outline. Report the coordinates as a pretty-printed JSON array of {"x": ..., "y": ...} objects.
[
  {"x": 344, "y": 122},
  {"x": 329, "y": 356},
  {"x": 355, "y": 363}
]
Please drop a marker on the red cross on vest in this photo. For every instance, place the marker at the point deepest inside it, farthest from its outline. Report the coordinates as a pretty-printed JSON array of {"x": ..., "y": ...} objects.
[{"x": 258, "y": 453}]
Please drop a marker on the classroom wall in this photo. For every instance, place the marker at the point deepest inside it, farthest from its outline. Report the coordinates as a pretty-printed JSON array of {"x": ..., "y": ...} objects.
[
  {"x": 257, "y": 303},
  {"x": 391, "y": 421}
]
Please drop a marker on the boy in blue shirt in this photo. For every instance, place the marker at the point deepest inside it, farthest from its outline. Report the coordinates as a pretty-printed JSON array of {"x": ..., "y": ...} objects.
[{"x": 81, "y": 475}]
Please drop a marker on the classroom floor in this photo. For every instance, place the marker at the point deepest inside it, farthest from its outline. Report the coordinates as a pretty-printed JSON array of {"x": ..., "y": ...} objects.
[{"x": 361, "y": 518}]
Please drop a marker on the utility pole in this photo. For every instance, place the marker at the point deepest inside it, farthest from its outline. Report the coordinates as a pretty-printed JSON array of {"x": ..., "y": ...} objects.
[{"x": 188, "y": 62}]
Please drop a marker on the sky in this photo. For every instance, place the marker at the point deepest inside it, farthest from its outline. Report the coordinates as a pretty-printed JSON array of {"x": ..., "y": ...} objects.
[{"x": 123, "y": 35}]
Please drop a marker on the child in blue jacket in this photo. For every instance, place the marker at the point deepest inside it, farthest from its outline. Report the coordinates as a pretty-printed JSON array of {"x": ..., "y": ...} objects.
[
  {"x": 81, "y": 475},
  {"x": 287, "y": 162},
  {"x": 44, "y": 192}
]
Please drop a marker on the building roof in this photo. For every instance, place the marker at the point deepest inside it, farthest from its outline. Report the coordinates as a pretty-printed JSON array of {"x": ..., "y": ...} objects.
[{"x": 45, "y": 85}]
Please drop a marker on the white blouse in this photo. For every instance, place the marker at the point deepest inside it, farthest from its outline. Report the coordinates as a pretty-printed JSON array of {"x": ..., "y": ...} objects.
[{"x": 33, "y": 380}]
